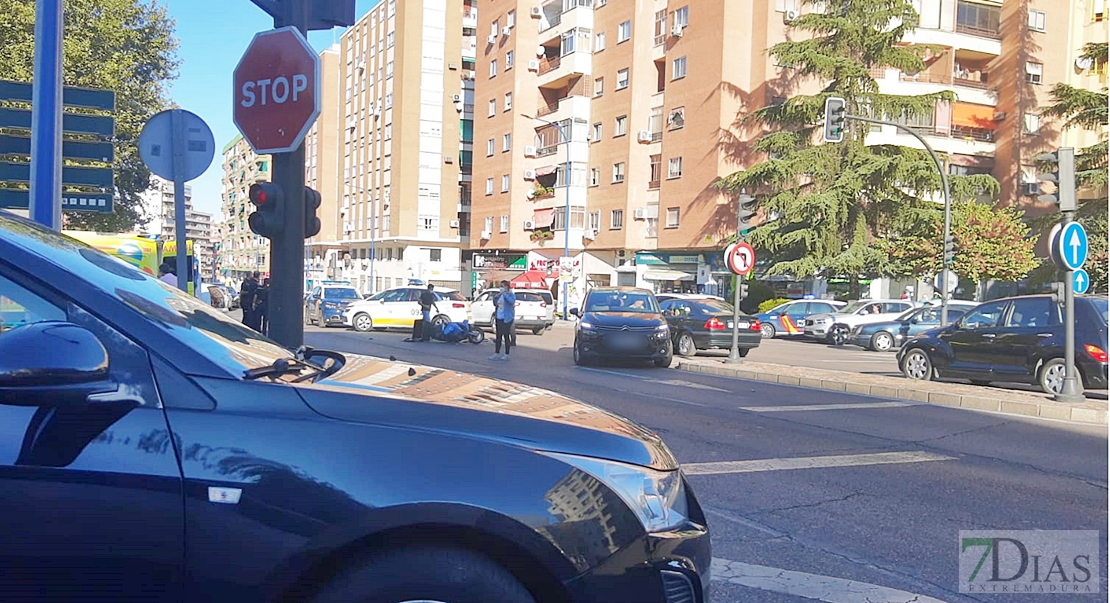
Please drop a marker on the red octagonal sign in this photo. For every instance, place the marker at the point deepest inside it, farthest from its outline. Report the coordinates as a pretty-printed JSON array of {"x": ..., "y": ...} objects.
[{"x": 277, "y": 91}]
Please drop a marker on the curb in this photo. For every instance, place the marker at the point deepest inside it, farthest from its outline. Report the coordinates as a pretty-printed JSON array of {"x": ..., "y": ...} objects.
[{"x": 1015, "y": 403}]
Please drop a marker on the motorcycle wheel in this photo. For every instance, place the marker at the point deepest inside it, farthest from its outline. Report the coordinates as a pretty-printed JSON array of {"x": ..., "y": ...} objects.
[{"x": 476, "y": 336}]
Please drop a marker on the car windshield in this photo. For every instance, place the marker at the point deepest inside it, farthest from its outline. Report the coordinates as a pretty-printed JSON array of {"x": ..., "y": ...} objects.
[
  {"x": 527, "y": 296},
  {"x": 341, "y": 293},
  {"x": 1100, "y": 304},
  {"x": 853, "y": 307},
  {"x": 779, "y": 309},
  {"x": 712, "y": 306},
  {"x": 622, "y": 301},
  {"x": 451, "y": 295}
]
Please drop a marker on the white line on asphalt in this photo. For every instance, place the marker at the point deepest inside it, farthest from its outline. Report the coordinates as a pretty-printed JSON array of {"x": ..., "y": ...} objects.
[
  {"x": 810, "y": 586},
  {"x": 847, "y": 360},
  {"x": 689, "y": 384},
  {"x": 812, "y": 462},
  {"x": 804, "y": 407}
]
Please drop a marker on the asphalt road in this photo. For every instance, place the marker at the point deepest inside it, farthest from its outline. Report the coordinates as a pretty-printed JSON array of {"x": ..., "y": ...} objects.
[{"x": 855, "y": 503}]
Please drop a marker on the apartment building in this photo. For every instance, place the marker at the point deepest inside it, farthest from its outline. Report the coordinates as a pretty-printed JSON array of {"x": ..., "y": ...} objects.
[
  {"x": 642, "y": 100},
  {"x": 241, "y": 251},
  {"x": 159, "y": 203},
  {"x": 322, "y": 147}
]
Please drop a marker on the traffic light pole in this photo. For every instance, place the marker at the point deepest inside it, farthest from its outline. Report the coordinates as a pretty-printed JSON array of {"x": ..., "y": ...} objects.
[{"x": 1072, "y": 390}]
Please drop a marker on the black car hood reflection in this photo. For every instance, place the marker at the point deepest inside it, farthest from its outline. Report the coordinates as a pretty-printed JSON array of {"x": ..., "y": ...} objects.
[
  {"x": 629, "y": 319},
  {"x": 413, "y": 396}
]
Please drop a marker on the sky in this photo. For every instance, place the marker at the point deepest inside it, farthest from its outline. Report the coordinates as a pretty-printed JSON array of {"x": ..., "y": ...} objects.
[{"x": 213, "y": 34}]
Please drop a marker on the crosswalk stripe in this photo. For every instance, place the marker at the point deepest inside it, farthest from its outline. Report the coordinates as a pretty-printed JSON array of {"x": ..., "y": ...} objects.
[
  {"x": 812, "y": 462},
  {"x": 804, "y": 407}
]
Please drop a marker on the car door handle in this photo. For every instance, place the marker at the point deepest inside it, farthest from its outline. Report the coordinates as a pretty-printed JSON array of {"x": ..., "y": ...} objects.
[
  {"x": 989, "y": 335},
  {"x": 1044, "y": 334}
]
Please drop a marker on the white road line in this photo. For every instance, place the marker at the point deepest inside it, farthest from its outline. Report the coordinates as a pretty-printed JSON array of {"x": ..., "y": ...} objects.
[
  {"x": 810, "y": 586},
  {"x": 812, "y": 462},
  {"x": 804, "y": 407},
  {"x": 689, "y": 384}
]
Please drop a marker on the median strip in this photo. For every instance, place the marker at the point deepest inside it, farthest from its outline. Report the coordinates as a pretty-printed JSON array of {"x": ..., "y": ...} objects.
[
  {"x": 807, "y": 407},
  {"x": 812, "y": 462}
]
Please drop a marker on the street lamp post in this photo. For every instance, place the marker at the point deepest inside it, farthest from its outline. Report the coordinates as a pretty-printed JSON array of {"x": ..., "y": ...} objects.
[{"x": 566, "y": 215}]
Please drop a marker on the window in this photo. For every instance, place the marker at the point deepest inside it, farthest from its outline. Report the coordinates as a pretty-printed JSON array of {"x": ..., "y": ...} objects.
[
  {"x": 1098, "y": 10},
  {"x": 595, "y": 176},
  {"x": 985, "y": 316},
  {"x": 599, "y": 41},
  {"x": 389, "y": 101},
  {"x": 435, "y": 255},
  {"x": 656, "y": 164},
  {"x": 489, "y": 147},
  {"x": 674, "y": 167},
  {"x": 1033, "y": 72},
  {"x": 493, "y": 68},
  {"x": 506, "y": 143},
  {"x": 682, "y": 16},
  {"x": 1032, "y": 123},
  {"x": 596, "y": 136},
  {"x": 505, "y": 183},
  {"x": 492, "y": 107},
  {"x": 389, "y": 70},
  {"x": 599, "y": 86},
  {"x": 624, "y": 32},
  {"x": 618, "y": 172},
  {"x": 978, "y": 19},
  {"x": 622, "y": 79},
  {"x": 389, "y": 39},
  {"x": 508, "y": 60},
  {"x": 678, "y": 68},
  {"x": 1037, "y": 20},
  {"x": 616, "y": 219},
  {"x": 489, "y": 221},
  {"x": 672, "y": 217},
  {"x": 495, "y": 27},
  {"x": 508, "y": 101},
  {"x": 621, "y": 127},
  {"x": 489, "y": 186},
  {"x": 23, "y": 307},
  {"x": 677, "y": 118},
  {"x": 660, "y": 27},
  {"x": 594, "y": 222},
  {"x": 1031, "y": 313},
  {"x": 510, "y": 20},
  {"x": 504, "y": 223}
]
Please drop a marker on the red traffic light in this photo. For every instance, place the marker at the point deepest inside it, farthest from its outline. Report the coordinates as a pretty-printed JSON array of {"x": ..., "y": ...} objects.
[{"x": 265, "y": 194}]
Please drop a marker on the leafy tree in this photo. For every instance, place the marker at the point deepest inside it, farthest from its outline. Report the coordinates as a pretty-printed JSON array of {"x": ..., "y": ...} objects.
[
  {"x": 123, "y": 45},
  {"x": 835, "y": 202}
]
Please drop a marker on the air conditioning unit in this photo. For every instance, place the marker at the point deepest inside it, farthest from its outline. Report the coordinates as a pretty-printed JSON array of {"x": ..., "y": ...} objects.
[
  {"x": 1031, "y": 188},
  {"x": 486, "y": 235},
  {"x": 530, "y": 194},
  {"x": 536, "y": 12},
  {"x": 529, "y": 151},
  {"x": 454, "y": 223},
  {"x": 533, "y": 65},
  {"x": 529, "y": 174},
  {"x": 468, "y": 75},
  {"x": 491, "y": 39},
  {"x": 506, "y": 30},
  {"x": 456, "y": 98},
  {"x": 643, "y": 136},
  {"x": 529, "y": 225},
  {"x": 789, "y": 16},
  {"x": 590, "y": 234},
  {"x": 638, "y": 213},
  {"x": 621, "y": 253},
  {"x": 351, "y": 123},
  {"x": 676, "y": 30},
  {"x": 360, "y": 65}
]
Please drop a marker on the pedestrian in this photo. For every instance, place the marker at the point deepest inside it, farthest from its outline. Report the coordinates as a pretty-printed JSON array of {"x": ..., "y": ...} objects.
[
  {"x": 262, "y": 307},
  {"x": 167, "y": 274},
  {"x": 247, "y": 296},
  {"x": 427, "y": 302},
  {"x": 505, "y": 317}
]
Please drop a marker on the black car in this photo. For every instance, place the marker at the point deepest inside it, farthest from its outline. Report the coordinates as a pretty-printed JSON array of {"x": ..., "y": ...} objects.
[
  {"x": 152, "y": 449},
  {"x": 889, "y": 336},
  {"x": 706, "y": 324},
  {"x": 1019, "y": 339},
  {"x": 621, "y": 323}
]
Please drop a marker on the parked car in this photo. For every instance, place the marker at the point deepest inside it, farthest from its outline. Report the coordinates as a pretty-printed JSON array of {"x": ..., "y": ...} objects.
[
  {"x": 326, "y": 304},
  {"x": 535, "y": 309},
  {"x": 172, "y": 454},
  {"x": 1013, "y": 340},
  {"x": 621, "y": 323},
  {"x": 889, "y": 336},
  {"x": 233, "y": 295},
  {"x": 837, "y": 327},
  {"x": 400, "y": 307},
  {"x": 217, "y": 295},
  {"x": 706, "y": 324},
  {"x": 662, "y": 297},
  {"x": 789, "y": 318}
]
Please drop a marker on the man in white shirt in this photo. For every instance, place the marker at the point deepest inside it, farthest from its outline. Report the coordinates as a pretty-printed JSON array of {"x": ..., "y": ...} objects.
[{"x": 166, "y": 275}]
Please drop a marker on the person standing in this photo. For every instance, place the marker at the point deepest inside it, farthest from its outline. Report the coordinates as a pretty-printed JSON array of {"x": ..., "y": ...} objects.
[
  {"x": 167, "y": 274},
  {"x": 505, "y": 315},
  {"x": 262, "y": 307},
  {"x": 427, "y": 302},
  {"x": 247, "y": 298}
]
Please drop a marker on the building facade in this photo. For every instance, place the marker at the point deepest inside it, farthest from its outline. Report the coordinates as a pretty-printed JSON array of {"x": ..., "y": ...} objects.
[
  {"x": 241, "y": 252},
  {"x": 159, "y": 204}
]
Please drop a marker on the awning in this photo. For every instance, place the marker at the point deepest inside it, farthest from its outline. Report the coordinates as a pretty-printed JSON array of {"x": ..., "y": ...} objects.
[
  {"x": 546, "y": 170},
  {"x": 971, "y": 160},
  {"x": 532, "y": 279},
  {"x": 973, "y": 116},
  {"x": 667, "y": 275},
  {"x": 543, "y": 218}
]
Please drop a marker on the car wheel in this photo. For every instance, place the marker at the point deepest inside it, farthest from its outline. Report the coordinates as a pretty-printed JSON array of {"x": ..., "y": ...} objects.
[
  {"x": 307, "y": 318},
  {"x": 743, "y": 351},
  {"x": 917, "y": 366},
  {"x": 685, "y": 346},
  {"x": 665, "y": 361},
  {"x": 767, "y": 330},
  {"x": 537, "y": 330},
  {"x": 839, "y": 335},
  {"x": 1052, "y": 376},
  {"x": 579, "y": 359},
  {"x": 425, "y": 573},
  {"x": 882, "y": 341},
  {"x": 362, "y": 322}
]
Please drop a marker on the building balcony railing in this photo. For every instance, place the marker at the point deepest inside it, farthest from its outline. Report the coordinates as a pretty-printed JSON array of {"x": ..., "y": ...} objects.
[
  {"x": 552, "y": 21},
  {"x": 549, "y": 64},
  {"x": 979, "y": 134},
  {"x": 970, "y": 80},
  {"x": 653, "y": 185},
  {"x": 548, "y": 150},
  {"x": 657, "y": 136},
  {"x": 547, "y": 109},
  {"x": 978, "y": 31}
]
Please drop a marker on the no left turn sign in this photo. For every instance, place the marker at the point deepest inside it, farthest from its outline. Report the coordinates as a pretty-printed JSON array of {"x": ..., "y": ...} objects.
[{"x": 740, "y": 258}]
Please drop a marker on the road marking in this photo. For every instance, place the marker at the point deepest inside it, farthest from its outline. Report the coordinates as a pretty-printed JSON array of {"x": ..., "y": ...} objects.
[
  {"x": 849, "y": 360},
  {"x": 812, "y": 462},
  {"x": 810, "y": 586},
  {"x": 804, "y": 407},
  {"x": 689, "y": 384}
]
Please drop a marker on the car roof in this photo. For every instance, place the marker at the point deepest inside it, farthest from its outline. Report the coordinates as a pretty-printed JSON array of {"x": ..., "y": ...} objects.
[{"x": 621, "y": 289}]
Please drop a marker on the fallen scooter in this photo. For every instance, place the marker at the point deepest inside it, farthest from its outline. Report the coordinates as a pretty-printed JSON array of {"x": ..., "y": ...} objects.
[{"x": 456, "y": 332}]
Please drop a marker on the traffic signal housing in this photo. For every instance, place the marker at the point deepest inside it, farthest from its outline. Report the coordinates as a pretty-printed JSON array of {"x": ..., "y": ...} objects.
[
  {"x": 312, "y": 201},
  {"x": 267, "y": 220},
  {"x": 950, "y": 250},
  {"x": 1061, "y": 173},
  {"x": 746, "y": 208},
  {"x": 834, "y": 119}
]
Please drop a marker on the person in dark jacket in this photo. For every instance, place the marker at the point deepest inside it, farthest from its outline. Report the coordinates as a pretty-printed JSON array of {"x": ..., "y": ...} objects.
[
  {"x": 247, "y": 298},
  {"x": 262, "y": 307},
  {"x": 427, "y": 302}
]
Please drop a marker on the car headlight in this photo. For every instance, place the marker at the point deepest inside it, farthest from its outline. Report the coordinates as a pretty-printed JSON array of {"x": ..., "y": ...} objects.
[
  {"x": 658, "y": 498},
  {"x": 662, "y": 328},
  {"x": 586, "y": 326}
]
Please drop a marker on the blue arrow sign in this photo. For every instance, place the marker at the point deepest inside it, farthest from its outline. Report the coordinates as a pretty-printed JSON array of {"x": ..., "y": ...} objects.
[
  {"x": 1080, "y": 281},
  {"x": 1071, "y": 245}
]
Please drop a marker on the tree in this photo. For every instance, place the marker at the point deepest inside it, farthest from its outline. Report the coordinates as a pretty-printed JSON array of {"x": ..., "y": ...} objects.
[
  {"x": 835, "y": 202},
  {"x": 123, "y": 45}
]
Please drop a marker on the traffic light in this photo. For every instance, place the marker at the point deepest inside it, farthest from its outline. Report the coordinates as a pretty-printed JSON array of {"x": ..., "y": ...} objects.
[
  {"x": 1062, "y": 164},
  {"x": 311, "y": 204},
  {"x": 950, "y": 250},
  {"x": 834, "y": 119},
  {"x": 1058, "y": 292},
  {"x": 743, "y": 290},
  {"x": 746, "y": 211},
  {"x": 267, "y": 221}
]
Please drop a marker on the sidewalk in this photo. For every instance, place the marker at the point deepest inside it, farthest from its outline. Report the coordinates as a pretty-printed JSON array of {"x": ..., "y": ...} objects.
[{"x": 971, "y": 397}]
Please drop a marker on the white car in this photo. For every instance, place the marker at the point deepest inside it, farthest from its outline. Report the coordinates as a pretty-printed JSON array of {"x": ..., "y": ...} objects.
[
  {"x": 535, "y": 309},
  {"x": 837, "y": 327},
  {"x": 400, "y": 307}
]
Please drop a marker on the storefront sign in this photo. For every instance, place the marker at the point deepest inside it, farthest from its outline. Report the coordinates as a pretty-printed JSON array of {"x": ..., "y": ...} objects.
[{"x": 511, "y": 261}]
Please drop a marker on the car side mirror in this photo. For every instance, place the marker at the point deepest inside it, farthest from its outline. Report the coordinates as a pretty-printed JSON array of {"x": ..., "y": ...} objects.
[
  {"x": 668, "y": 312},
  {"x": 52, "y": 363},
  {"x": 574, "y": 312}
]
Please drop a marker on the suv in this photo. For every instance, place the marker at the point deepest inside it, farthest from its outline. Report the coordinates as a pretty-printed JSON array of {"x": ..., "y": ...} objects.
[
  {"x": 836, "y": 328},
  {"x": 156, "y": 449},
  {"x": 400, "y": 307},
  {"x": 325, "y": 304},
  {"x": 535, "y": 309},
  {"x": 622, "y": 323}
]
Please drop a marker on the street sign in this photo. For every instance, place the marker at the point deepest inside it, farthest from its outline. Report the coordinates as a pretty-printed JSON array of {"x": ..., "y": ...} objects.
[
  {"x": 97, "y": 202},
  {"x": 740, "y": 258},
  {"x": 156, "y": 145},
  {"x": 277, "y": 91},
  {"x": 566, "y": 269},
  {"x": 1080, "y": 281},
  {"x": 71, "y": 175},
  {"x": 1070, "y": 246},
  {"x": 951, "y": 281}
]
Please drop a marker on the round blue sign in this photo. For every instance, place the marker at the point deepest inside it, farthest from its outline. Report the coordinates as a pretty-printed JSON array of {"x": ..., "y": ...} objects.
[
  {"x": 1071, "y": 245},
  {"x": 1080, "y": 281}
]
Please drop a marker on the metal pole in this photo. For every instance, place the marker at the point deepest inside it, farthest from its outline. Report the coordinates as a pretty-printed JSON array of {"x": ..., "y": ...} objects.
[
  {"x": 566, "y": 229},
  {"x": 734, "y": 352},
  {"x": 1071, "y": 391},
  {"x": 177, "y": 124},
  {"x": 373, "y": 240},
  {"x": 45, "y": 205},
  {"x": 947, "y": 205}
]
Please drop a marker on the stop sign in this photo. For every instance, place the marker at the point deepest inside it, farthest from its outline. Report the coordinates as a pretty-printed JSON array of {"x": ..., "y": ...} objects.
[{"x": 277, "y": 91}]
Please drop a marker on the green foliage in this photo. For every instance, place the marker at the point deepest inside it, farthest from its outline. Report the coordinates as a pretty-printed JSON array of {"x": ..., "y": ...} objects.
[
  {"x": 772, "y": 303},
  {"x": 758, "y": 292},
  {"x": 122, "y": 45},
  {"x": 834, "y": 203}
]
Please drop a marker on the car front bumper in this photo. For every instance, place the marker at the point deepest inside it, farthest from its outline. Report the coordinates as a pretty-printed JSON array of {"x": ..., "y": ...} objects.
[
  {"x": 600, "y": 346},
  {"x": 819, "y": 331}
]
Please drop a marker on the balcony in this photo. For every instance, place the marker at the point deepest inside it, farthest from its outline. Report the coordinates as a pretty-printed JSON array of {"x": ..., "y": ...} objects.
[
  {"x": 470, "y": 17},
  {"x": 549, "y": 64},
  {"x": 983, "y": 32},
  {"x": 560, "y": 72}
]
